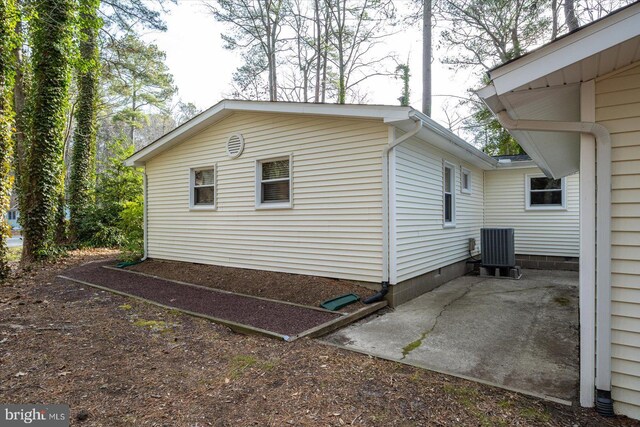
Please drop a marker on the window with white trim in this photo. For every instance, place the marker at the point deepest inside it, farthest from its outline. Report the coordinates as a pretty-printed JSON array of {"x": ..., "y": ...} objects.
[
  {"x": 273, "y": 183},
  {"x": 545, "y": 193},
  {"x": 465, "y": 181},
  {"x": 203, "y": 187},
  {"x": 449, "y": 194}
]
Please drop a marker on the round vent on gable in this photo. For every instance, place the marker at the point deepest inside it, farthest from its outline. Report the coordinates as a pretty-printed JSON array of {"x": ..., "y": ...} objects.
[{"x": 235, "y": 145}]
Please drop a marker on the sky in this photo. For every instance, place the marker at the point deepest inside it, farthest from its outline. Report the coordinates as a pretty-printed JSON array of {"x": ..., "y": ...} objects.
[{"x": 202, "y": 68}]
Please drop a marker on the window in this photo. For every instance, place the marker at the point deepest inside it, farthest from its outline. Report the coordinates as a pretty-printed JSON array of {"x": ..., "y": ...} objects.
[
  {"x": 203, "y": 188},
  {"x": 273, "y": 183},
  {"x": 545, "y": 193},
  {"x": 11, "y": 215},
  {"x": 465, "y": 178},
  {"x": 449, "y": 195}
]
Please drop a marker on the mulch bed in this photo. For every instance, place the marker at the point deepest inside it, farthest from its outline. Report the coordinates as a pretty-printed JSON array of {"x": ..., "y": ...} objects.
[
  {"x": 296, "y": 288},
  {"x": 120, "y": 362},
  {"x": 284, "y": 319}
]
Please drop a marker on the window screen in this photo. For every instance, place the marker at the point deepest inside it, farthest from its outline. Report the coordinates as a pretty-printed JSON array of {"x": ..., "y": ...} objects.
[
  {"x": 545, "y": 191},
  {"x": 275, "y": 181},
  {"x": 204, "y": 187}
]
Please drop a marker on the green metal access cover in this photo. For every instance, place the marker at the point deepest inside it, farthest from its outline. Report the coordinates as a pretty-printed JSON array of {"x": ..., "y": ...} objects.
[
  {"x": 338, "y": 302},
  {"x": 127, "y": 264}
]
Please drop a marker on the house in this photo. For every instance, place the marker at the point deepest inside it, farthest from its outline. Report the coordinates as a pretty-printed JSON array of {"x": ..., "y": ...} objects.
[
  {"x": 13, "y": 214},
  {"x": 545, "y": 217},
  {"x": 377, "y": 194},
  {"x": 574, "y": 105}
]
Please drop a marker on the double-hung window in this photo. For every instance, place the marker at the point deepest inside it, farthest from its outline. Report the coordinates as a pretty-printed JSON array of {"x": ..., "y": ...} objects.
[
  {"x": 273, "y": 183},
  {"x": 203, "y": 188},
  {"x": 449, "y": 194},
  {"x": 545, "y": 193},
  {"x": 465, "y": 181}
]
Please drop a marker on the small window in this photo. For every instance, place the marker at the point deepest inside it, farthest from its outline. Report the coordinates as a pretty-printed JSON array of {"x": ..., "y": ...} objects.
[
  {"x": 273, "y": 183},
  {"x": 545, "y": 193},
  {"x": 448, "y": 195},
  {"x": 11, "y": 215},
  {"x": 465, "y": 178},
  {"x": 203, "y": 188}
]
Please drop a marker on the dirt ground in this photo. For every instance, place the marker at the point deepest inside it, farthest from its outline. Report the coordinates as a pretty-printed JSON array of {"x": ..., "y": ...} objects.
[
  {"x": 118, "y": 362},
  {"x": 297, "y": 288}
]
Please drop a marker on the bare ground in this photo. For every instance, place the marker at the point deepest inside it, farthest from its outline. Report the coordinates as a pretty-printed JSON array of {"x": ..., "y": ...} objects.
[
  {"x": 118, "y": 362},
  {"x": 296, "y": 288}
]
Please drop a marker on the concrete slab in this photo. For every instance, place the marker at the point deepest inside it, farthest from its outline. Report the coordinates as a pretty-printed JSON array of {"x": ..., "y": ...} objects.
[{"x": 519, "y": 334}]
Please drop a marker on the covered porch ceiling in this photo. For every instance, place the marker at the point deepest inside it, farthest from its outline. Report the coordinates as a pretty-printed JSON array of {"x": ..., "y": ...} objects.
[{"x": 545, "y": 84}]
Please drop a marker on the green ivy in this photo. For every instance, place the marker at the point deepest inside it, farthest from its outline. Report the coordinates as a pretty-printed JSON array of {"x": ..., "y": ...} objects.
[
  {"x": 51, "y": 32},
  {"x": 82, "y": 180},
  {"x": 8, "y": 40}
]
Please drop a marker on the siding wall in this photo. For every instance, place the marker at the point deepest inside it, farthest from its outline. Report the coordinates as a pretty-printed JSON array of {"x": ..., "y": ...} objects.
[
  {"x": 422, "y": 243},
  {"x": 334, "y": 228},
  {"x": 541, "y": 232},
  {"x": 618, "y": 108}
]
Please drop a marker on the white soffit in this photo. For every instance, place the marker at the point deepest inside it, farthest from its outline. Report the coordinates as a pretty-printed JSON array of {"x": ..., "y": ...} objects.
[{"x": 558, "y": 153}]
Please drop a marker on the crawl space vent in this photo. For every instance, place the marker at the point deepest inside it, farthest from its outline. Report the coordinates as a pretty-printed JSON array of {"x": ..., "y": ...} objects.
[{"x": 235, "y": 145}]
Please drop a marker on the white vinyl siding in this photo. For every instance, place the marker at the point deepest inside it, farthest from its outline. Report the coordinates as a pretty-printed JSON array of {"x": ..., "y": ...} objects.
[
  {"x": 423, "y": 243},
  {"x": 553, "y": 232},
  {"x": 334, "y": 228},
  {"x": 618, "y": 108}
]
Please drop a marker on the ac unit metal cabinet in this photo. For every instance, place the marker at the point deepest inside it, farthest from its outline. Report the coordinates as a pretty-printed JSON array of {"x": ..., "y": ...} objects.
[{"x": 498, "y": 247}]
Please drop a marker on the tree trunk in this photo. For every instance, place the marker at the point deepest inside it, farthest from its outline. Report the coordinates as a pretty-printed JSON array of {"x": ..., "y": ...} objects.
[
  {"x": 318, "y": 49},
  {"x": 82, "y": 180},
  {"x": 51, "y": 38},
  {"x": 426, "y": 58},
  {"x": 8, "y": 14},
  {"x": 554, "y": 19},
  {"x": 19, "y": 105},
  {"x": 570, "y": 15}
]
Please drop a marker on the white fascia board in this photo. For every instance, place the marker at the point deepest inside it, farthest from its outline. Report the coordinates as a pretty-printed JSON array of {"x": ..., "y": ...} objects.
[
  {"x": 226, "y": 107},
  {"x": 592, "y": 39},
  {"x": 175, "y": 136}
]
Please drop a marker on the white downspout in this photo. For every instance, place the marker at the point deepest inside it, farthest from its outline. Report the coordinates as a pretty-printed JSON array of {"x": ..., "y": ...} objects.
[
  {"x": 144, "y": 214},
  {"x": 386, "y": 264},
  {"x": 603, "y": 226}
]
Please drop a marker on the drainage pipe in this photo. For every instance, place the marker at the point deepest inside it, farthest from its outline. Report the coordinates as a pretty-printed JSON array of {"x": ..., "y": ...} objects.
[
  {"x": 145, "y": 220},
  {"x": 603, "y": 234},
  {"x": 385, "y": 208}
]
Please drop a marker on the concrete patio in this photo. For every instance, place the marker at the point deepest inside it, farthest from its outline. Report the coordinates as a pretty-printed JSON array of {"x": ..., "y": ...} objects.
[{"x": 517, "y": 334}]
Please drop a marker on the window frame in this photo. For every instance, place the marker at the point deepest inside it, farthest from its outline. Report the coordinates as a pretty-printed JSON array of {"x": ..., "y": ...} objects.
[
  {"x": 464, "y": 171},
  {"x": 527, "y": 204},
  {"x": 260, "y": 205},
  {"x": 448, "y": 165},
  {"x": 192, "y": 188}
]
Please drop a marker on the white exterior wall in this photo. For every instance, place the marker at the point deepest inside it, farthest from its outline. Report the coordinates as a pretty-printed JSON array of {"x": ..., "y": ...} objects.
[
  {"x": 537, "y": 232},
  {"x": 618, "y": 108},
  {"x": 422, "y": 244},
  {"x": 334, "y": 228}
]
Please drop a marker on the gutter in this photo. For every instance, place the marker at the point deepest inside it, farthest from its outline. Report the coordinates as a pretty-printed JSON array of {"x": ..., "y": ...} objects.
[
  {"x": 603, "y": 236},
  {"x": 386, "y": 259}
]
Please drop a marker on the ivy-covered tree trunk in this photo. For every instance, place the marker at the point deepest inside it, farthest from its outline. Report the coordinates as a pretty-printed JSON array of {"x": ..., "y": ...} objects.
[
  {"x": 8, "y": 15},
  {"x": 20, "y": 110},
  {"x": 51, "y": 42},
  {"x": 82, "y": 181}
]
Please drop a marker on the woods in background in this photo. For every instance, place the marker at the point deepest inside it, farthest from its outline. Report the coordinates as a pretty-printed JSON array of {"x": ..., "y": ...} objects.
[{"x": 79, "y": 92}]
